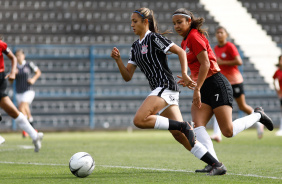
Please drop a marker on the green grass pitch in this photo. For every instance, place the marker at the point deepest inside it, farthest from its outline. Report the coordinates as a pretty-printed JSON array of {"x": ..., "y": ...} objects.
[{"x": 138, "y": 157}]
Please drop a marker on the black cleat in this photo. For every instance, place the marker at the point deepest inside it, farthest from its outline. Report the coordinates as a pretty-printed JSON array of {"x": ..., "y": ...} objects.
[
  {"x": 221, "y": 170},
  {"x": 189, "y": 133},
  {"x": 207, "y": 169},
  {"x": 264, "y": 118}
]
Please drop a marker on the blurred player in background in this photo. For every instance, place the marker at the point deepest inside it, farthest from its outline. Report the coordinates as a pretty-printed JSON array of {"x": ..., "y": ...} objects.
[
  {"x": 149, "y": 54},
  {"x": 277, "y": 77},
  {"x": 24, "y": 82},
  {"x": 228, "y": 59},
  {"x": 5, "y": 102},
  {"x": 213, "y": 92}
]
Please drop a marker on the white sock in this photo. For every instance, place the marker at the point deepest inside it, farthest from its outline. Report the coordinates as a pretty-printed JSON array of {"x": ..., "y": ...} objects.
[
  {"x": 199, "y": 150},
  {"x": 216, "y": 129},
  {"x": 162, "y": 123},
  {"x": 244, "y": 123},
  {"x": 25, "y": 125},
  {"x": 204, "y": 138}
]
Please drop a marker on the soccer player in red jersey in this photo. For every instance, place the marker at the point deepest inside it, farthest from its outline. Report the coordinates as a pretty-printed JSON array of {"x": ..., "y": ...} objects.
[
  {"x": 5, "y": 102},
  {"x": 278, "y": 77},
  {"x": 213, "y": 92},
  {"x": 228, "y": 59},
  {"x": 160, "y": 109}
]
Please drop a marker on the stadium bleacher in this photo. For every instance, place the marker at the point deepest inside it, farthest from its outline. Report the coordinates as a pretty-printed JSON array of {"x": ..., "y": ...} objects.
[{"x": 58, "y": 34}]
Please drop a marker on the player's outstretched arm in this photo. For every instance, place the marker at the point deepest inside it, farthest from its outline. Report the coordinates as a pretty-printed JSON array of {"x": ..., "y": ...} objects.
[{"x": 126, "y": 72}]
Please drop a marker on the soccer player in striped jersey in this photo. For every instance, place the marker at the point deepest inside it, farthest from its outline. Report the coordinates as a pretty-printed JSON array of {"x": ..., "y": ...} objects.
[
  {"x": 149, "y": 54},
  {"x": 228, "y": 59},
  {"x": 277, "y": 77},
  {"x": 24, "y": 81},
  {"x": 5, "y": 102},
  {"x": 213, "y": 92}
]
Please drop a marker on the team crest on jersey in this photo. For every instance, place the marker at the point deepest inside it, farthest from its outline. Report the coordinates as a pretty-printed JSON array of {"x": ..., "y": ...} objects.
[
  {"x": 187, "y": 50},
  {"x": 144, "y": 49},
  {"x": 223, "y": 55}
]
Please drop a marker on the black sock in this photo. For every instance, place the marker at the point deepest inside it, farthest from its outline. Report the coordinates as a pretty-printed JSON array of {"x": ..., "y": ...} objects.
[
  {"x": 209, "y": 159},
  {"x": 176, "y": 125}
]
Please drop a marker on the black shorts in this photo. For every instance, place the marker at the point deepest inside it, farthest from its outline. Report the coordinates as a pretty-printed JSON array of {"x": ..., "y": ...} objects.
[
  {"x": 281, "y": 102},
  {"x": 217, "y": 91},
  {"x": 238, "y": 90},
  {"x": 3, "y": 85}
]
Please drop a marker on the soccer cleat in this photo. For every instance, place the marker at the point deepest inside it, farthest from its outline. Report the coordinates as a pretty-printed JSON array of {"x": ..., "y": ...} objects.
[
  {"x": 207, "y": 169},
  {"x": 264, "y": 118},
  {"x": 37, "y": 142},
  {"x": 189, "y": 133},
  {"x": 217, "y": 171},
  {"x": 24, "y": 134},
  {"x": 2, "y": 140},
  {"x": 216, "y": 138},
  {"x": 278, "y": 133}
]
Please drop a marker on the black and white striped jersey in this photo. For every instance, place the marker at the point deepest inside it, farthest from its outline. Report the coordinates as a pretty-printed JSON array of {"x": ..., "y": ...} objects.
[
  {"x": 25, "y": 71},
  {"x": 149, "y": 54}
]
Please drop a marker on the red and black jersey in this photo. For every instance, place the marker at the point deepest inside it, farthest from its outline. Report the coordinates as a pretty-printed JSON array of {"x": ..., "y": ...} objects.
[
  {"x": 193, "y": 44},
  {"x": 3, "y": 49}
]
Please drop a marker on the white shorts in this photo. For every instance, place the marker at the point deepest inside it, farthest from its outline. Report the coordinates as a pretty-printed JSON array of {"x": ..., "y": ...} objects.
[
  {"x": 27, "y": 96},
  {"x": 171, "y": 97}
]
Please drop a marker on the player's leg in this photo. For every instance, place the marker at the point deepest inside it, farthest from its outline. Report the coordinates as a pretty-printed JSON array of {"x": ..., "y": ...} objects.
[
  {"x": 216, "y": 136},
  {"x": 230, "y": 129},
  {"x": 8, "y": 106},
  {"x": 199, "y": 151},
  {"x": 279, "y": 132},
  {"x": 201, "y": 117},
  {"x": 243, "y": 106}
]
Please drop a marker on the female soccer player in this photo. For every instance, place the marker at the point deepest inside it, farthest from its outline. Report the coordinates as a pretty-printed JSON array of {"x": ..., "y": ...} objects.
[
  {"x": 213, "y": 92},
  {"x": 228, "y": 59},
  {"x": 278, "y": 77},
  {"x": 149, "y": 54},
  {"x": 7, "y": 105},
  {"x": 24, "y": 82}
]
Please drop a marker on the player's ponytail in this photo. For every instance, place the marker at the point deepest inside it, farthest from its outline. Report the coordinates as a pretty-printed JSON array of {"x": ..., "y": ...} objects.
[
  {"x": 196, "y": 23},
  {"x": 146, "y": 13},
  {"x": 1, "y": 37}
]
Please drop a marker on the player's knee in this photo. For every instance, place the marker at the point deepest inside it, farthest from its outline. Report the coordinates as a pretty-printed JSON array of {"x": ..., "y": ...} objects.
[
  {"x": 228, "y": 133},
  {"x": 138, "y": 122}
]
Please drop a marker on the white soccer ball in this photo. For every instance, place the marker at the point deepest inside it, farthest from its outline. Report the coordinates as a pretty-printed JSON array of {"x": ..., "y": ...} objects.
[{"x": 81, "y": 164}]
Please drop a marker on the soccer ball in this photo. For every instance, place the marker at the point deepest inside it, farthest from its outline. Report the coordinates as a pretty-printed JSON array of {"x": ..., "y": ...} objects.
[{"x": 81, "y": 164}]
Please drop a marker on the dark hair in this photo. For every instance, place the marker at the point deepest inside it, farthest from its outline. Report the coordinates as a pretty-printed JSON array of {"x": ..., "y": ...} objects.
[
  {"x": 279, "y": 58},
  {"x": 146, "y": 13},
  {"x": 221, "y": 27},
  {"x": 196, "y": 23}
]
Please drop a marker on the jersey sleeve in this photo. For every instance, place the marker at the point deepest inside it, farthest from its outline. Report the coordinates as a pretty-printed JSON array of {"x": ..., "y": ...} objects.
[
  {"x": 33, "y": 67},
  {"x": 233, "y": 50},
  {"x": 275, "y": 75},
  {"x": 162, "y": 43},
  {"x": 4, "y": 47},
  {"x": 131, "y": 59},
  {"x": 197, "y": 44}
]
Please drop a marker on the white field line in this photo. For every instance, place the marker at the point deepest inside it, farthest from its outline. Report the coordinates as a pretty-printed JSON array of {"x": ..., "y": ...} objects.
[{"x": 141, "y": 168}]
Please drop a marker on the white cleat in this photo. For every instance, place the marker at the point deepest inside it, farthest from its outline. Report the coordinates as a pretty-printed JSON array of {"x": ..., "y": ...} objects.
[
  {"x": 2, "y": 140},
  {"x": 278, "y": 133},
  {"x": 37, "y": 142}
]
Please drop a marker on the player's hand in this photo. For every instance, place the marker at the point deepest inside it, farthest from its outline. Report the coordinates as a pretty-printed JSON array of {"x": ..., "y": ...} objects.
[
  {"x": 11, "y": 77},
  {"x": 31, "y": 81},
  {"x": 186, "y": 81},
  {"x": 115, "y": 54},
  {"x": 197, "y": 98}
]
